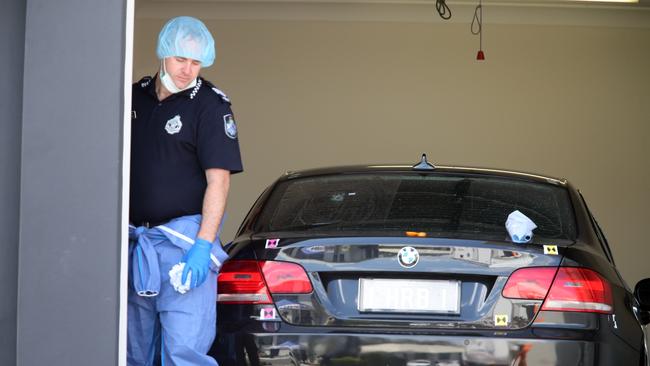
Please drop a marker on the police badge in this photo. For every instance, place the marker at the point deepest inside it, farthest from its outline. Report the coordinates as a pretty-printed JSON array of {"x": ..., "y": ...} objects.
[
  {"x": 229, "y": 126},
  {"x": 174, "y": 125}
]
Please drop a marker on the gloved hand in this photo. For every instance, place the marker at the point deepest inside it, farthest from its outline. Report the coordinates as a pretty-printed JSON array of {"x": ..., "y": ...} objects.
[{"x": 197, "y": 260}]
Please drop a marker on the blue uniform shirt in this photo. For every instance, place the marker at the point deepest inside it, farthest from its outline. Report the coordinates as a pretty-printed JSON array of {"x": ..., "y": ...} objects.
[{"x": 173, "y": 142}]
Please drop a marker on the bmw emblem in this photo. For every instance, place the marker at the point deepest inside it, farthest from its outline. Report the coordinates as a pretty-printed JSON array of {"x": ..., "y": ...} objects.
[{"x": 408, "y": 257}]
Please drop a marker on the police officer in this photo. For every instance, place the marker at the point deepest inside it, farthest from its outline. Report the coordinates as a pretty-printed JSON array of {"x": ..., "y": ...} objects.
[{"x": 184, "y": 149}]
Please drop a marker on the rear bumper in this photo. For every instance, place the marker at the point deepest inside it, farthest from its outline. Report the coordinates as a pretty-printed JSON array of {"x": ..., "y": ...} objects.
[{"x": 279, "y": 348}]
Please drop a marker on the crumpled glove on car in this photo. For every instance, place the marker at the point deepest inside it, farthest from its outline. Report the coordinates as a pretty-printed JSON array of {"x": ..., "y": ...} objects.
[{"x": 520, "y": 227}]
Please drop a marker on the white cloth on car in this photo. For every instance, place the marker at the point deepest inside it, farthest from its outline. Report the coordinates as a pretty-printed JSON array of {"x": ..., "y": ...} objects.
[{"x": 520, "y": 227}]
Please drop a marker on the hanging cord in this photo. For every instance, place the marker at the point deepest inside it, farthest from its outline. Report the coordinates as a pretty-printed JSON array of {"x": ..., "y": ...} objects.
[
  {"x": 477, "y": 29},
  {"x": 477, "y": 22},
  {"x": 443, "y": 9}
]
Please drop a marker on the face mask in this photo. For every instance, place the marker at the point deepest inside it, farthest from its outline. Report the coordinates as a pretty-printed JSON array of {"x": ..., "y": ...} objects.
[{"x": 168, "y": 83}]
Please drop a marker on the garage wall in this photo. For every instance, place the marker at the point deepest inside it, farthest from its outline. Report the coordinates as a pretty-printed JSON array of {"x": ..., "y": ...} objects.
[
  {"x": 12, "y": 31},
  {"x": 568, "y": 101}
]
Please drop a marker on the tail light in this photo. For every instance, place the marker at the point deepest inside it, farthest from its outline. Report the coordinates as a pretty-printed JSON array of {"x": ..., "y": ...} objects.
[
  {"x": 253, "y": 282},
  {"x": 579, "y": 289},
  {"x": 285, "y": 278},
  {"x": 570, "y": 289},
  {"x": 529, "y": 283},
  {"x": 241, "y": 282}
]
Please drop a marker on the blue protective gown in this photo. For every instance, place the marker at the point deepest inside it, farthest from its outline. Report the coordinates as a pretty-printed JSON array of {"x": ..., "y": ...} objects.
[{"x": 181, "y": 326}]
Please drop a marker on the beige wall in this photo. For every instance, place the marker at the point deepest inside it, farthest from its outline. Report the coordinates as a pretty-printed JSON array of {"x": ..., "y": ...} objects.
[{"x": 559, "y": 100}]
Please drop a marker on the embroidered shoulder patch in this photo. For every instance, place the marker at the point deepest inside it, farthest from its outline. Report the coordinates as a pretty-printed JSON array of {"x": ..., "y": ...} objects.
[
  {"x": 230, "y": 126},
  {"x": 223, "y": 95}
]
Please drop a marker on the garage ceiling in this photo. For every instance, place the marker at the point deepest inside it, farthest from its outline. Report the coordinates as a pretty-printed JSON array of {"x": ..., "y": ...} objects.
[{"x": 532, "y": 12}]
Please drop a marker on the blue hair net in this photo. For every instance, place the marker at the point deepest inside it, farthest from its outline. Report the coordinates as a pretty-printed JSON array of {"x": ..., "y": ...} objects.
[{"x": 186, "y": 37}]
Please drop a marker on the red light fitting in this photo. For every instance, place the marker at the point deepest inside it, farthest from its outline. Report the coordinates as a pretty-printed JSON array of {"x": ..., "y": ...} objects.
[
  {"x": 570, "y": 289},
  {"x": 253, "y": 282}
]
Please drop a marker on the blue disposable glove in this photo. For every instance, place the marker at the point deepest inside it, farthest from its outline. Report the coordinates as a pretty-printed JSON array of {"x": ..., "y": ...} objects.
[{"x": 197, "y": 261}]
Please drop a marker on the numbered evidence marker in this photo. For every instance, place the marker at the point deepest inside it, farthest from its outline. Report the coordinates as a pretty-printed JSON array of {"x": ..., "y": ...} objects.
[
  {"x": 550, "y": 249},
  {"x": 501, "y": 320}
]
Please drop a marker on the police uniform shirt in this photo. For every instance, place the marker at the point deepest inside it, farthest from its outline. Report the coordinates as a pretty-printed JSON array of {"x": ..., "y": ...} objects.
[{"x": 173, "y": 142}]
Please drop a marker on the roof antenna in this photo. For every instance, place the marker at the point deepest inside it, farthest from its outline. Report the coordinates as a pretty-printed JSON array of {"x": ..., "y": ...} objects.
[{"x": 423, "y": 164}]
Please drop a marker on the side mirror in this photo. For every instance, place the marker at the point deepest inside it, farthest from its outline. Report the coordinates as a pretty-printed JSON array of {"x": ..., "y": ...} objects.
[{"x": 642, "y": 294}]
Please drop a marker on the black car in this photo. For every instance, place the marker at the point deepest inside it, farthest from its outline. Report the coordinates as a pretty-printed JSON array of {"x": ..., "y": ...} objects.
[{"x": 413, "y": 266}]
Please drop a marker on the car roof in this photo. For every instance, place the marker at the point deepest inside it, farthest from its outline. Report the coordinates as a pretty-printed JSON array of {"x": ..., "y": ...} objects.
[{"x": 356, "y": 169}]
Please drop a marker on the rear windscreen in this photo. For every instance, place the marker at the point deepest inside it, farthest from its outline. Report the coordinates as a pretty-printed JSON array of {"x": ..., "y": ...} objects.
[{"x": 440, "y": 205}]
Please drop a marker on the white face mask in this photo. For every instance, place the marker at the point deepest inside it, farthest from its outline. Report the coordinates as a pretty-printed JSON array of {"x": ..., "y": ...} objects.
[{"x": 168, "y": 83}]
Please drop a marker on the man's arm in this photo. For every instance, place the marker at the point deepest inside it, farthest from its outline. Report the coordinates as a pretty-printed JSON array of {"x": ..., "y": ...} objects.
[{"x": 214, "y": 202}]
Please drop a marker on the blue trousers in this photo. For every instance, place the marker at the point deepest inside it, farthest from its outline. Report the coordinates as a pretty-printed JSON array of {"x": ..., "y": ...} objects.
[{"x": 181, "y": 327}]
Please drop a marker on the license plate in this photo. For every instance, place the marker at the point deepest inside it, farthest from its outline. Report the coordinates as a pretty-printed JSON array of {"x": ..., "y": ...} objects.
[{"x": 410, "y": 296}]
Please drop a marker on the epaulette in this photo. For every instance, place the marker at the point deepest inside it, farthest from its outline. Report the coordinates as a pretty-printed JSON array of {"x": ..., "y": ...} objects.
[
  {"x": 218, "y": 91},
  {"x": 223, "y": 95},
  {"x": 144, "y": 82}
]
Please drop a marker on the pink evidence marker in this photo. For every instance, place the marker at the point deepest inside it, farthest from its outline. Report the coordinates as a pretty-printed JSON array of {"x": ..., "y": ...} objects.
[
  {"x": 272, "y": 243},
  {"x": 267, "y": 313}
]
